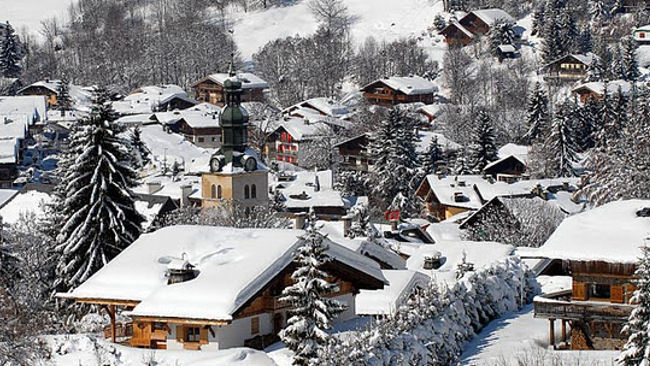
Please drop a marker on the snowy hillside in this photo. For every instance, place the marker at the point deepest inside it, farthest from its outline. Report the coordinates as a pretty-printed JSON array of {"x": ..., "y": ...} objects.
[{"x": 383, "y": 19}]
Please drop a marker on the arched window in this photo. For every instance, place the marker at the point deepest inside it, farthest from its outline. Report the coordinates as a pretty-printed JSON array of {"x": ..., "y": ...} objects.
[
  {"x": 247, "y": 192},
  {"x": 219, "y": 194},
  {"x": 253, "y": 191},
  {"x": 213, "y": 191}
]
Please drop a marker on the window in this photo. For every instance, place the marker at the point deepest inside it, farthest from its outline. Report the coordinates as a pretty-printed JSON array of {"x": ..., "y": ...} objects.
[
  {"x": 159, "y": 326},
  {"x": 219, "y": 194},
  {"x": 253, "y": 191},
  {"x": 599, "y": 291},
  {"x": 192, "y": 334},
  {"x": 642, "y": 35},
  {"x": 247, "y": 192},
  {"x": 255, "y": 325},
  {"x": 213, "y": 191},
  {"x": 201, "y": 139}
]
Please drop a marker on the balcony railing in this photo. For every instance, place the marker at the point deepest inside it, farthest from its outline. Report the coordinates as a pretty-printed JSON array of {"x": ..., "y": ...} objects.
[{"x": 560, "y": 306}]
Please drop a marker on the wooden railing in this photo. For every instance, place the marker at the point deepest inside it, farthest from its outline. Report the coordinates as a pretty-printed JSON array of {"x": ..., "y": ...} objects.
[
  {"x": 557, "y": 306},
  {"x": 121, "y": 330}
]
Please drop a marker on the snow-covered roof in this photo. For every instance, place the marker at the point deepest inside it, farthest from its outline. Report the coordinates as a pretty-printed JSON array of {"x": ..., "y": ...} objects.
[
  {"x": 506, "y": 48},
  {"x": 170, "y": 187},
  {"x": 304, "y": 181},
  {"x": 81, "y": 96},
  {"x": 22, "y": 203},
  {"x": 481, "y": 254},
  {"x": 586, "y": 59},
  {"x": 493, "y": 15},
  {"x": 302, "y": 129},
  {"x": 248, "y": 80},
  {"x": 148, "y": 98},
  {"x": 409, "y": 85},
  {"x": 460, "y": 27},
  {"x": 320, "y": 105},
  {"x": 500, "y": 160},
  {"x": 474, "y": 190},
  {"x": 434, "y": 110},
  {"x": 520, "y": 151},
  {"x": 425, "y": 139},
  {"x": 6, "y": 195},
  {"x": 194, "y": 119},
  {"x": 611, "y": 233},
  {"x": 32, "y": 105},
  {"x": 402, "y": 283},
  {"x": 598, "y": 87},
  {"x": 233, "y": 265},
  {"x": 136, "y": 119}
]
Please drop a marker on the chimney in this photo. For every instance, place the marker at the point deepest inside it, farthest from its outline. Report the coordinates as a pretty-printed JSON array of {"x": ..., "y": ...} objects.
[
  {"x": 316, "y": 183},
  {"x": 299, "y": 221},
  {"x": 347, "y": 223},
  {"x": 565, "y": 186},
  {"x": 153, "y": 187},
  {"x": 186, "y": 191},
  {"x": 393, "y": 225}
]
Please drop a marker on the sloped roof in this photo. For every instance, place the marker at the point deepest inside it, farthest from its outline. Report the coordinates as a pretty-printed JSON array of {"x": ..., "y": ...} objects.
[
  {"x": 598, "y": 87},
  {"x": 248, "y": 80},
  {"x": 409, "y": 85},
  {"x": 474, "y": 189},
  {"x": 324, "y": 196},
  {"x": 611, "y": 233},
  {"x": 458, "y": 26},
  {"x": 491, "y": 16},
  {"x": 302, "y": 129},
  {"x": 32, "y": 105},
  {"x": 233, "y": 266}
]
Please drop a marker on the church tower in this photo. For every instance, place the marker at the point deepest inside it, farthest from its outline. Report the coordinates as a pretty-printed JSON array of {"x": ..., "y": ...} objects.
[{"x": 236, "y": 172}]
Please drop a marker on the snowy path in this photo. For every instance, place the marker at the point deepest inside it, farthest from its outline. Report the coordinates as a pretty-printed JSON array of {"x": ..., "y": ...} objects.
[{"x": 520, "y": 336}]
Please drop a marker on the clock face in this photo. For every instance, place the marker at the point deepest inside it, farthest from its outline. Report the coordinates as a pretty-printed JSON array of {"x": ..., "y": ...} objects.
[
  {"x": 250, "y": 164},
  {"x": 215, "y": 164}
]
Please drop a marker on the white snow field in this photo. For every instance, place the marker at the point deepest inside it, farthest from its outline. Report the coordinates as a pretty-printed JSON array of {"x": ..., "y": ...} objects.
[{"x": 387, "y": 20}]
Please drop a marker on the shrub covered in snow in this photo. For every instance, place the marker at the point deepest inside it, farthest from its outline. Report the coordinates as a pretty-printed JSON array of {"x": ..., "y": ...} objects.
[{"x": 434, "y": 326}]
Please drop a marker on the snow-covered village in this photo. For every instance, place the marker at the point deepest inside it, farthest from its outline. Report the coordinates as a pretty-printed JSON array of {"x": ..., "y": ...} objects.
[{"x": 324, "y": 182}]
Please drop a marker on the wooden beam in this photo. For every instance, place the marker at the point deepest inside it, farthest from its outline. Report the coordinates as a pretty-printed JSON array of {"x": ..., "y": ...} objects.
[
  {"x": 551, "y": 338},
  {"x": 125, "y": 303},
  {"x": 111, "y": 313},
  {"x": 564, "y": 331},
  {"x": 181, "y": 320}
]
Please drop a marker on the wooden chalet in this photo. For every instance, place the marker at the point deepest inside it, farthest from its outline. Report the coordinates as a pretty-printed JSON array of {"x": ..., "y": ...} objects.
[
  {"x": 210, "y": 89},
  {"x": 569, "y": 68},
  {"x": 396, "y": 90},
  {"x": 354, "y": 153},
  {"x": 601, "y": 248},
  {"x": 220, "y": 289},
  {"x": 201, "y": 128},
  {"x": 596, "y": 90},
  {"x": 457, "y": 35},
  {"x": 47, "y": 88},
  {"x": 478, "y": 22},
  {"x": 507, "y": 169}
]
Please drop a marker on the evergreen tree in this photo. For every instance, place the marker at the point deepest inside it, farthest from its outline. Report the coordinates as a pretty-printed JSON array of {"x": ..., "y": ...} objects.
[
  {"x": 63, "y": 98},
  {"x": 139, "y": 151},
  {"x": 312, "y": 312},
  {"x": 599, "y": 11},
  {"x": 617, "y": 70},
  {"x": 501, "y": 33},
  {"x": 637, "y": 349},
  {"x": 10, "y": 54},
  {"x": 537, "y": 114},
  {"x": 560, "y": 143},
  {"x": 100, "y": 215},
  {"x": 483, "y": 149},
  {"x": 629, "y": 63},
  {"x": 538, "y": 19},
  {"x": 584, "y": 43},
  {"x": 433, "y": 158}
]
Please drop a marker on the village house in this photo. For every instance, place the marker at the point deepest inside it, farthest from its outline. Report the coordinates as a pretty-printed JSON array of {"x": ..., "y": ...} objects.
[
  {"x": 397, "y": 90},
  {"x": 49, "y": 88},
  {"x": 473, "y": 25},
  {"x": 290, "y": 140},
  {"x": 186, "y": 296},
  {"x": 154, "y": 98},
  {"x": 354, "y": 153},
  {"x": 446, "y": 196},
  {"x": 305, "y": 191},
  {"x": 317, "y": 106},
  {"x": 569, "y": 68},
  {"x": 431, "y": 111},
  {"x": 600, "y": 247},
  {"x": 642, "y": 35},
  {"x": 201, "y": 128},
  {"x": 210, "y": 89},
  {"x": 596, "y": 89}
]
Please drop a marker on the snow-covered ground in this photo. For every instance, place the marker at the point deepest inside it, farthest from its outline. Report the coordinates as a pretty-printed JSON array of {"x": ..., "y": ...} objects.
[
  {"x": 28, "y": 14},
  {"x": 387, "y": 20}
]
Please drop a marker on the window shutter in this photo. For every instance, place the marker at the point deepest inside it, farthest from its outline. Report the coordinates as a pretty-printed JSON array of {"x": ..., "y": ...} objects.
[
  {"x": 579, "y": 291},
  {"x": 617, "y": 294},
  {"x": 179, "y": 333},
  {"x": 204, "y": 335}
]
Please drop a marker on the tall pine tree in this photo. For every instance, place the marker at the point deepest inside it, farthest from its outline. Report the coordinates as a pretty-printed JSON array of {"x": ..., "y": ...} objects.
[
  {"x": 560, "y": 143},
  {"x": 100, "y": 215},
  {"x": 63, "y": 98},
  {"x": 311, "y": 311},
  {"x": 139, "y": 151},
  {"x": 10, "y": 54},
  {"x": 433, "y": 158},
  {"x": 537, "y": 114},
  {"x": 629, "y": 62},
  {"x": 636, "y": 351},
  {"x": 483, "y": 149}
]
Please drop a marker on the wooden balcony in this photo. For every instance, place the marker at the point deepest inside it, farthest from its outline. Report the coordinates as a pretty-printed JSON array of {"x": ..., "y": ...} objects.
[{"x": 559, "y": 305}]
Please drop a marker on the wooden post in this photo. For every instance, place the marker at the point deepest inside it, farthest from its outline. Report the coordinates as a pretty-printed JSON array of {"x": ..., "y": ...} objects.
[
  {"x": 564, "y": 331},
  {"x": 111, "y": 313},
  {"x": 551, "y": 338}
]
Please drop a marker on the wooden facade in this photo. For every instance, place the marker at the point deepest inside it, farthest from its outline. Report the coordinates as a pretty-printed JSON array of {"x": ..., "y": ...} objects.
[
  {"x": 209, "y": 91},
  {"x": 456, "y": 35},
  {"x": 381, "y": 94},
  {"x": 596, "y": 307},
  {"x": 568, "y": 68},
  {"x": 49, "y": 94},
  {"x": 474, "y": 24},
  {"x": 434, "y": 207},
  {"x": 207, "y": 137},
  {"x": 355, "y": 153},
  {"x": 508, "y": 166}
]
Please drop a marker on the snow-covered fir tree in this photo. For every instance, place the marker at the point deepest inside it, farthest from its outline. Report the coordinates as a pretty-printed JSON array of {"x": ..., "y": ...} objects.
[
  {"x": 537, "y": 116},
  {"x": 599, "y": 11},
  {"x": 10, "y": 54},
  {"x": 63, "y": 98},
  {"x": 636, "y": 351},
  {"x": 629, "y": 61},
  {"x": 560, "y": 143},
  {"x": 311, "y": 311},
  {"x": 501, "y": 33},
  {"x": 139, "y": 150},
  {"x": 584, "y": 43},
  {"x": 433, "y": 158},
  {"x": 100, "y": 215},
  {"x": 483, "y": 149}
]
